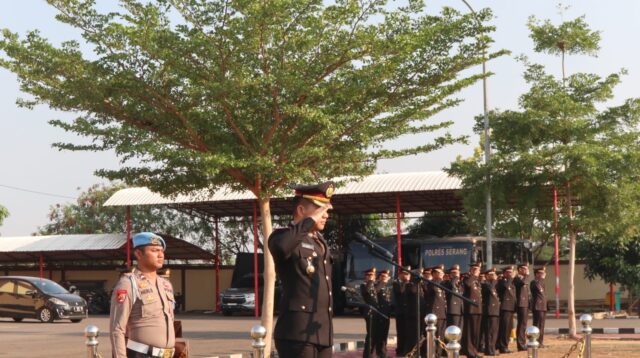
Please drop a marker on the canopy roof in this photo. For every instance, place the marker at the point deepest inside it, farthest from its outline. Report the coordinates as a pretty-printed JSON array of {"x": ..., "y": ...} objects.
[
  {"x": 424, "y": 191},
  {"x": 87, "y": 247}
]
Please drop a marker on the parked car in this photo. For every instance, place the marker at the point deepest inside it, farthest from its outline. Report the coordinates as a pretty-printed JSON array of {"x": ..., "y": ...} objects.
[
  {"x": 240, "y": 296},
  {"x": 32, "y": 297}
]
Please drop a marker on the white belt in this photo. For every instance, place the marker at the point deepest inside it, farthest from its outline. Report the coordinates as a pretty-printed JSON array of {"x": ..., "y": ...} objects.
[{"x": 150, "y": 350}]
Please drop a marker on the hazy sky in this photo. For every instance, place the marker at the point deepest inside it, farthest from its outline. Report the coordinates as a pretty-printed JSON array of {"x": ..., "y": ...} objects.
[{"x": 28, "y": 162}]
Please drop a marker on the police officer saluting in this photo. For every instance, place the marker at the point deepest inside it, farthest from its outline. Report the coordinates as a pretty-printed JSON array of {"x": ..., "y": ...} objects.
[
  {"x": 142, "y": 305},
  {"x": 303, "y": 264},
  {"x": 522, "y": 303},
  {"x": 436, "y": 303},
  {"x": 490, "y": 312},
  {"x": 381, "y": 324},
  {"x": 472, "y": 314},
  {"x": 454, "y": 303},
  {"x": 370, "y": 297},
  {"x": 539, "y": 301},
  {"x": 507, "y": 293}
]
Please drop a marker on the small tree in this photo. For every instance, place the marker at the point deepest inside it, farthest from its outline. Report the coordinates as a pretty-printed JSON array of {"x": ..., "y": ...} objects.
[
  {"x": 250, "y": 95},
  {"x": 562, "y": 138}
]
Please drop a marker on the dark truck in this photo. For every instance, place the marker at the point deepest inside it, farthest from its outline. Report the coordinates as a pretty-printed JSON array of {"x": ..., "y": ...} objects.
[
  {"x": 240, "y": 296},
  {"x": 422, "y": 251}
]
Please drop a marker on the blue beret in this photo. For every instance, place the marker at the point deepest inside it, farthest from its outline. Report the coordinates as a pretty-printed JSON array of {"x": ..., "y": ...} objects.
[{"x": 148, "y": 238}]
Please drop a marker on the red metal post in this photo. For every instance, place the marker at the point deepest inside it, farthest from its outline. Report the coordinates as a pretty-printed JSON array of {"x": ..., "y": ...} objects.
[
  {"x": 128, "y": 237},
  {"x": 611, "y": 298},
  {"x": 556, "y": 250},
  {"x": 255, "y": 257},
  {"x": 218, "y": 308},
  {"x": 398, "y": 229},
  {"x": 41, "y": 265}
]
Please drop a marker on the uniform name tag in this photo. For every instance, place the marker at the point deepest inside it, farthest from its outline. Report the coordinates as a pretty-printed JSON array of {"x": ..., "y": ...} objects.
[{"x": 307, "y": 246}]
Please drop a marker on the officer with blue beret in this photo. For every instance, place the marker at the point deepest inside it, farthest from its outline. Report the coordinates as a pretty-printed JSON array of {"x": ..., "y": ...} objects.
[{"x": 142, "y": 305}]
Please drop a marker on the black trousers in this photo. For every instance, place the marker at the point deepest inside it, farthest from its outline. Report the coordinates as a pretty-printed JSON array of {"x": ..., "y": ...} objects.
[
  {"x": 380, "y": 335},
  {"x": 504, "y": 333},
  {"x": 521, "y": 327},
  {"x": 490, "y": 332},
  {"x": 539, "y": 318},
  {"x": 471, "y": 334},
  {"x": 454, "y": 320},
  {"x": 295, "y": 349}
]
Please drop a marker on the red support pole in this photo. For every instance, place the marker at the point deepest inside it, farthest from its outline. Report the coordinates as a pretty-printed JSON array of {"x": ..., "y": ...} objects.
[
  {"x": 611, "y": 298},
  {"x": 398, "y": 229},
  {"x": 556, "y": 250},
  {"x": 218, "y": 308},
  {"x": 255, "y": 257},
  {"x": 41, "y": 265},
  {"x": 128, "y": 237}
]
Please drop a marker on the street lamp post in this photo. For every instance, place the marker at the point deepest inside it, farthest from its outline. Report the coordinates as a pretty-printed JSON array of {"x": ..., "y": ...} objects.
[{"x": 487, "y": 154}]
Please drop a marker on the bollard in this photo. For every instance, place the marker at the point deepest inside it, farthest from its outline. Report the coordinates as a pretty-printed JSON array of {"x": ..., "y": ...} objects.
[
  {"x": 258, "y": 333},
  {"x": 452, "y": 334},
  {"x": 431, "y": 320},
  {"x": 532, "y": 341},
  {"x": 585, "y": 319},
  {"x": 91, "y": 333}
]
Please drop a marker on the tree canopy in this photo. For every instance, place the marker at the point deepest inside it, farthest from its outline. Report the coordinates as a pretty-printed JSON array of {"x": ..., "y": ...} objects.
[
  {"x": 4, "y": 213},
  {"x": 248, "y": 94}
]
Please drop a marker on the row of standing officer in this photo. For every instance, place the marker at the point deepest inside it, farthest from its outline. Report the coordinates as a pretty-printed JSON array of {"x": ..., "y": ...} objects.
[{"x": 488, "y": 327}]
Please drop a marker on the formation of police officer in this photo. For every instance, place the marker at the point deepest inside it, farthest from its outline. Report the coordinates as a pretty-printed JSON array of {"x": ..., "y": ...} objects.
[
  {"x": 472, "y": 313},
  {"x": 142, "y": 304},
  {"x": 303, "y": 264}
]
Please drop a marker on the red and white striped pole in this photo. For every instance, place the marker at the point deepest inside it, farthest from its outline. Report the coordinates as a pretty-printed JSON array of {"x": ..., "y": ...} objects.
[{"x": 556, "y": 249}]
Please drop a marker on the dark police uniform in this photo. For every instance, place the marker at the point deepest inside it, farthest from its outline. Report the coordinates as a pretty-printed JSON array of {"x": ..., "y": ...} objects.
[
  {"x": 141, "y": 317},
  {"x": 522, "y": 312},
  {"x": 454, "y": 304},
  {"x": 406, "y": 298},
  {"x": 436, "y": 303},
  {"x": 303, "y": 264},
  {"x": 370, "y": 297},
  {"x": 507, "y": 294},
  {"x": 490, "y": 315},
  {"x": 539, "y": 304},
  {"x": 381, "y": 324},
  {"x": 472, "y": 315}
]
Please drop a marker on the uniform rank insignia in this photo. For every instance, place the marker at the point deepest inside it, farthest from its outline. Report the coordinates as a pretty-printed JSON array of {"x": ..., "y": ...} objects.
[
  {"x": 143, "y": 284},
  {"x": 121, "y": 296}
]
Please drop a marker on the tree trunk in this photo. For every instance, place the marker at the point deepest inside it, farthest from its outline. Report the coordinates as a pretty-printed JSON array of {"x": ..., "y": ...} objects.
[
  {"x": 269, "y": 275},
  {"x": 571, "y": 304}
]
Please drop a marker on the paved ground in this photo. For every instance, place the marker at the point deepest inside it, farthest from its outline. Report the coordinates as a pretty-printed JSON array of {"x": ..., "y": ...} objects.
[{"x": 211, "y": 335}]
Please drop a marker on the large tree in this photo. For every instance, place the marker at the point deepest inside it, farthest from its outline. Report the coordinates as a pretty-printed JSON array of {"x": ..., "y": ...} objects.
[
  {"x": 247, "y": 94},
  {"x": 564, "y": 136}
]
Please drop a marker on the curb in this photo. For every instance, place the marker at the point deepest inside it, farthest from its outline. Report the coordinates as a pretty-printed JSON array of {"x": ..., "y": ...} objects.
[
  {"x": 353, "y": 346},
  {"x": 595, "y": 331}
]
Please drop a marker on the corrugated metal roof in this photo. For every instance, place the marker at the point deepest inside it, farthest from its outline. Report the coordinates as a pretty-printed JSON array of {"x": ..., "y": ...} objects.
[
  {"x": 377, "y": 183},
  {"x": 62, "y": 243},
  {"x": 88, "y": 247}
]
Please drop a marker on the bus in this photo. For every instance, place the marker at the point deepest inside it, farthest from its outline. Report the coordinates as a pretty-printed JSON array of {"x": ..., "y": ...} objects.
[{"x": 424, "y": 251}]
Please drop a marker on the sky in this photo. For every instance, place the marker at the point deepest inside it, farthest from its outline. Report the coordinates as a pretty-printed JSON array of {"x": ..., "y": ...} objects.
[{"x": 34, "y": 176}]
